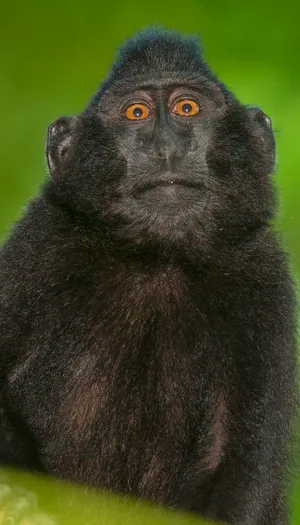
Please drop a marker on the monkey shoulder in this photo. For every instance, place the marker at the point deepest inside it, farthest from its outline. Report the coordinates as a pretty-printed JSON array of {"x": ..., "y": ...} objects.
[{"x": 43, "y": 256}]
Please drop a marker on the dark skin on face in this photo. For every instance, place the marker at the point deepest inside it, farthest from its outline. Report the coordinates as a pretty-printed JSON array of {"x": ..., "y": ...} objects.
[
  {"x": 147, "y": 311},
  {"x": 162, "y": 129},
  {"x": 162, "y": 144}
]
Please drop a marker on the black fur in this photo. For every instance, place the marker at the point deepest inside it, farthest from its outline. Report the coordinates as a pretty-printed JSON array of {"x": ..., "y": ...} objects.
[{"x": 148, "y": 335}]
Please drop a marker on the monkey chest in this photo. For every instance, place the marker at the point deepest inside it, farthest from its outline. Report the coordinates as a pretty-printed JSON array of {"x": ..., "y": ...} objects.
[
  {"x": 125, "y": 422},
  {"x": 122, "y": 403}
]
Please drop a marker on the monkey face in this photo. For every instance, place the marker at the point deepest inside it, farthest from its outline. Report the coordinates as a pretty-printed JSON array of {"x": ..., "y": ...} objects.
[
  {"x": 166, "y": 157},
  {"x": 162, "y": 133},
  {"x": 167, "y": 176}
]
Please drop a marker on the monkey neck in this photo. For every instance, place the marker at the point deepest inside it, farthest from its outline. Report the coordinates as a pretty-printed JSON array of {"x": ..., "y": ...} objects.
[{"x": 228, "y": 252}]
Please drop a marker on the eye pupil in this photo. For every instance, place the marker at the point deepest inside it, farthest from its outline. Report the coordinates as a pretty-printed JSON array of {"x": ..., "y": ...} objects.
[
  {"x": 138, "y": 112},
  {"x": 187, "y": 108}
]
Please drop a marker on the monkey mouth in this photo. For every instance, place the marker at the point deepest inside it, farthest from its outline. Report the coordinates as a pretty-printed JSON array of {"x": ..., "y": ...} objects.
[{"x": 171, "y": 187}]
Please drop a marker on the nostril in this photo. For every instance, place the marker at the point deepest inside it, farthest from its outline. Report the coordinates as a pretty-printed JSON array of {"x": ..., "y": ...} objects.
[
  {"x": 167, "y": 153},
  {"x": 162, "y": 154}
]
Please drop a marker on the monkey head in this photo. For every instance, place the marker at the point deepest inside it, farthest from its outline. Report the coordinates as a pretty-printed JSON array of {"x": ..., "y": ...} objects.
[{"x": 165, "y": 152}]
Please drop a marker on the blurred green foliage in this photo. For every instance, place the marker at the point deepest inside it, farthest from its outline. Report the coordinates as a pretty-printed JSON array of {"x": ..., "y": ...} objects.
[
  {"x": 26, "y": 499},
  {"x": 53, "y": 56}
]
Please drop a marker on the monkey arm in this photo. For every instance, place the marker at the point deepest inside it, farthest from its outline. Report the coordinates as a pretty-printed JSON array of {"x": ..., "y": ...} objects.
[
  {"x": 250, "y": 483},
  {"x": 16, "y": 445},
  {"x": 16, "y": 314}
]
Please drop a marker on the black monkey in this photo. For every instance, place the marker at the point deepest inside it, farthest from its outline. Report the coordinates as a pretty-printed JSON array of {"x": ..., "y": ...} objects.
[{"x": 147, "y": 310}]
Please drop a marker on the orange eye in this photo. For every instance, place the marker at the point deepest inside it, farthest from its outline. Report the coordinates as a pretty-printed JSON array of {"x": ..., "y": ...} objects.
[
  {"x": 186, "y": 108},
  {"x": 137, "y": 112}
]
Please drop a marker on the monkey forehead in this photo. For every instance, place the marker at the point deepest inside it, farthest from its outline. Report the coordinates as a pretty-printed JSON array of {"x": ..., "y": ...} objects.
[
  {"x": 165, "y": 81},
  {"x": 160, "y": 81}
]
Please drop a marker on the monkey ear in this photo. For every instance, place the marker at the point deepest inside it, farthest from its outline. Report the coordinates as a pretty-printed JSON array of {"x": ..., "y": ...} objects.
[
  {"x": 264, "y": 133},
  {"x": 58, "y": 144},
  {"x": 259, "y": 116}
]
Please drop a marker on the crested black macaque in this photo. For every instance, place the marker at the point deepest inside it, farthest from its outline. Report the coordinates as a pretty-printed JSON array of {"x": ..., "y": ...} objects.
[{"x": 147, "y": 309}]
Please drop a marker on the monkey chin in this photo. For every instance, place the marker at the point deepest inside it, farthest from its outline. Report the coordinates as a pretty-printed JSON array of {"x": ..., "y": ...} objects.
[
  {"x": 170, "y": 195},
  {"x": 172, "y": 220},
  {"x": 171, "y": 212}
]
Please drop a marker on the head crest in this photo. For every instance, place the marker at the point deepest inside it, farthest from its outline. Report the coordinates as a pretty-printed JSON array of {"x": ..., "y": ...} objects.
[{"x": 157, "y": 53}]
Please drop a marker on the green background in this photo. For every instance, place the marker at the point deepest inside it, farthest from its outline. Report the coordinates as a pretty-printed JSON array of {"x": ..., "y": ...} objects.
[{"x": 54, "y": 55}]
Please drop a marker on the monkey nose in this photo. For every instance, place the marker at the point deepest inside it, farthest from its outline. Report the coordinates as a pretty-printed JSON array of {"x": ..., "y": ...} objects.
[{"x": 169, "y": 151}]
